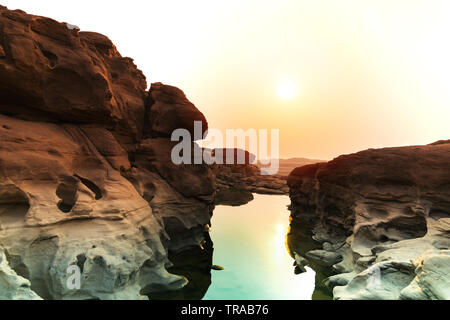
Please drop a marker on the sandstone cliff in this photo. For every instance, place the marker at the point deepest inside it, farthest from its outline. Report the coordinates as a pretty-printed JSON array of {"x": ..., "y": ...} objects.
[
  {"x": 378, "y": 222},
  {"x": 85, "y": 176}
]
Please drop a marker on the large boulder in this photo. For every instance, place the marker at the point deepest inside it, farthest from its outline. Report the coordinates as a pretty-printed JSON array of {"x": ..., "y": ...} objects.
[{"x": 169, "y": 109}]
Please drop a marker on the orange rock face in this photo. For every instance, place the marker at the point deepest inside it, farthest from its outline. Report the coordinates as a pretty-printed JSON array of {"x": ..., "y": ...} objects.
[
  {"x": 416, "y": 176},
  {"x": 51, "y": 73},
  {"x": 82, "y": 179},
  {"x": 169, "y": 110}
]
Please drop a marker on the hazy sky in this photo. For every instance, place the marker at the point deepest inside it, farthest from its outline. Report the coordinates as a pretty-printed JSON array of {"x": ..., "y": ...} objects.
[{"x": 334, "y": 76}]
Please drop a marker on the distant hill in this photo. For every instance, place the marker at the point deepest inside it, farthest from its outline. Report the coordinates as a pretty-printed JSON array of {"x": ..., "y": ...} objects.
[{"x": 287, "y": 165}]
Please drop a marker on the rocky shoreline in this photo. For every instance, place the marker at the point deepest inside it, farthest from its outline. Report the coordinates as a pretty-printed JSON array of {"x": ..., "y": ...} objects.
[{"x": 376, "y": 224}]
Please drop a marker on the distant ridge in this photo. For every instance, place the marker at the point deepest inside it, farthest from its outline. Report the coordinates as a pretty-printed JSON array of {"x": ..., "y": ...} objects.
[{"x": 287, "y": 165}]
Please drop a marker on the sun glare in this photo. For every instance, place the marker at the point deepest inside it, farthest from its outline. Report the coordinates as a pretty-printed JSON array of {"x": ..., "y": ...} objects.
[{"x": 286, "y": 90}]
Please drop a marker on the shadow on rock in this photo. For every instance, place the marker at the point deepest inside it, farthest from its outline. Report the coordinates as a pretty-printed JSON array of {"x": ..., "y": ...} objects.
[
  {"x": 195, "y": 265},
  {"x": 299, "y": 242}
]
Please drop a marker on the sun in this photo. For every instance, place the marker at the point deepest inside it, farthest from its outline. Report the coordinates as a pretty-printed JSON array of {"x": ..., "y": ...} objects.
[{"x": 286, "y": 90}]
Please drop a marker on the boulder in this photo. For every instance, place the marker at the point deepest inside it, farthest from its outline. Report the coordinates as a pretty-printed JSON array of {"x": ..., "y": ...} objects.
[{"x": 168, "y": 110}]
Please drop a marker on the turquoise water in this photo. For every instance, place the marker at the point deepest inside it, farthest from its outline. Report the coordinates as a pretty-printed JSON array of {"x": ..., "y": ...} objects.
[{"x": 250, "y": 243}]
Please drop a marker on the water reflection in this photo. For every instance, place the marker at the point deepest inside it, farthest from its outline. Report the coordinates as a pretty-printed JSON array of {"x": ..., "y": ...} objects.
[
  {"x": 250, "y": 242},
  {"x": 255, "y": 243},
  {"x": 299, "y": 240},
  {"x": 194, "y": 264}
]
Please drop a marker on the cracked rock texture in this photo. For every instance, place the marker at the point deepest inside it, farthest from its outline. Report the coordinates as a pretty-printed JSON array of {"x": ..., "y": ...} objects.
[
  {"x": 85, "y": 176},
  {"x": 378, "y": 222}
]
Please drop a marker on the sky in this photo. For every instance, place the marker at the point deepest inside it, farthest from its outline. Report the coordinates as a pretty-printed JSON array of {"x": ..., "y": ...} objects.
[{"x": 335, "y": 77}]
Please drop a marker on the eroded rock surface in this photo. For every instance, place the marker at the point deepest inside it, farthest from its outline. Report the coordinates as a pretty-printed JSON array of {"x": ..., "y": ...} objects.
[
  {"x": 14, "y": 287},
  {"x": 379, "y": 222},
  {"x": 84, "y": 173},
  {"x": 169, "y": 109}
]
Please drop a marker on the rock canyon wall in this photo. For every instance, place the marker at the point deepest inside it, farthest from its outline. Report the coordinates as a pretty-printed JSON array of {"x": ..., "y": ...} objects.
[
  {"x": 376, "y": 224},
  {"x": 85, "y": 173}
]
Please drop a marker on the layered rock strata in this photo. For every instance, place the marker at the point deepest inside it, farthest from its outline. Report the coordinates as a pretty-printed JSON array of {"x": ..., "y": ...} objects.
[
  {"x": 85, "y": 173},
  {"x": 378, "y": 222}
]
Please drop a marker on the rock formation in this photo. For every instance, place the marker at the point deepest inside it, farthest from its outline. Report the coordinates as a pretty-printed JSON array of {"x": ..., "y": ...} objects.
[
  {"x": 236, "y": 183},
  {"x": 85, "y": 178},
  {"x": 378, "y": 222},
  {"x": 288, "y": 165}
]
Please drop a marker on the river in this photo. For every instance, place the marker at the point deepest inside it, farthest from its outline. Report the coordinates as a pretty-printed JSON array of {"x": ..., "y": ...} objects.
[{"x": 250, "y": 243}]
